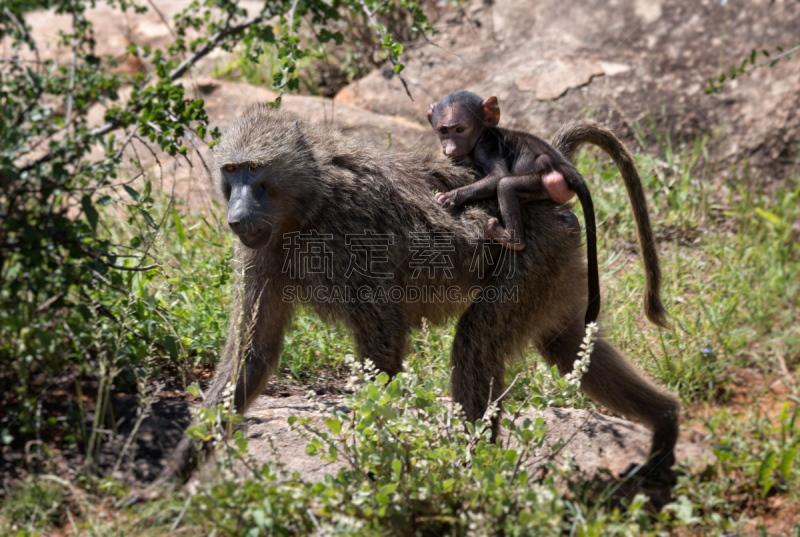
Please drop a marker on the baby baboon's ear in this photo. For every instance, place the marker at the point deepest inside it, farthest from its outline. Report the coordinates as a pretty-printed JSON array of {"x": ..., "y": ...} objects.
[
  {"x": 491, "y": 112},
  {"x": 430, "y": 114}
]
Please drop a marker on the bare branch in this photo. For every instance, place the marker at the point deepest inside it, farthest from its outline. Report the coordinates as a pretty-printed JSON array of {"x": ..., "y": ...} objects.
[
  {"x": 779, "y": 56},
  {"x": 291, "y": 15},
  {"x": 375, "y": 26},
  {"x": 129, "y": 269},
  {"x": 162, "y": 17},
  {"x": 73, "y": 46},
  {"x": 212, "y": 43}
]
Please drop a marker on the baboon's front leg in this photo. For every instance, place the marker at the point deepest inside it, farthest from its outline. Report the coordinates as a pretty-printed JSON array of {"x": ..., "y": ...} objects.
[
  {"x": 381, "y": 335},
  {"x": 252, "y": 352}
]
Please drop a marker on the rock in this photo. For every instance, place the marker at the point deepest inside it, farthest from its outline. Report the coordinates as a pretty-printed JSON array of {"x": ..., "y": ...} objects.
[
  {"x": 224, "y": 102},
  {"x": 115, "y": 30},
  {"x": 618, "y": 62},
  {"x": 596, "y": 442},
  {"x": 272, "y": 440}
]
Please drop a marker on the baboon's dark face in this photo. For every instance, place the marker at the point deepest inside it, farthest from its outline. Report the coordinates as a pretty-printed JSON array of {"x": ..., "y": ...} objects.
[{"x": 252, "y": 208}]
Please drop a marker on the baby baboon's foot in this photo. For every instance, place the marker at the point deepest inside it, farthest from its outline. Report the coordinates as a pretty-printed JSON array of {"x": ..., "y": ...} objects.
[
  {"x": 557, "y": 187},
  {"x": 497, "y": 232}
]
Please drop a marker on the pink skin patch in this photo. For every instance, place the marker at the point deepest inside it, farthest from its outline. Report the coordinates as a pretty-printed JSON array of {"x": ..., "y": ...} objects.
[{"x": 557, "y": 187}]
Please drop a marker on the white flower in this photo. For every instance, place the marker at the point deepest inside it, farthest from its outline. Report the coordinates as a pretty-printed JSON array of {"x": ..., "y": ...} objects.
[{"x": 581, "y": 365}]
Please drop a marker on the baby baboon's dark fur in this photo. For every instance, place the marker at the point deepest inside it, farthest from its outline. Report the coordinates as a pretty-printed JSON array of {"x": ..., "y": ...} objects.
[{"x": 282, "y": 176}]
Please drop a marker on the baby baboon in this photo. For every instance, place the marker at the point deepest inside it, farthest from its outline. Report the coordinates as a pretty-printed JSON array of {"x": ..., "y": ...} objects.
[
  {"x": 519, "y": 167},
  {"x": 307, "y": 204},
  {"x": 515, "y": 164}
]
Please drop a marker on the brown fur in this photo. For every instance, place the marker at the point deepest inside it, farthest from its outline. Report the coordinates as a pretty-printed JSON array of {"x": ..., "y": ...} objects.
[{"x": 324, "y": 181}]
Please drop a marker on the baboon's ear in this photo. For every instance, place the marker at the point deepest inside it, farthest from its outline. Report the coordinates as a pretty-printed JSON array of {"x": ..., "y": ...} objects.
[
  {"x": 491, "y": 112},
  {"x": 430, "y": 114}
]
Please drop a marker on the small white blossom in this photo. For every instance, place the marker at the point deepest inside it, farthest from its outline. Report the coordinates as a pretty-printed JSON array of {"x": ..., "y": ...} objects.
[{"x": 581, "y": 365}]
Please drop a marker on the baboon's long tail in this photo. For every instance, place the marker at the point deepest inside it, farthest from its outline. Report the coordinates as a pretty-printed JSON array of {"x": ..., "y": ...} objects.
[
  {"x": 593, "y": 308},
  {"x": 568, "y": 140}
]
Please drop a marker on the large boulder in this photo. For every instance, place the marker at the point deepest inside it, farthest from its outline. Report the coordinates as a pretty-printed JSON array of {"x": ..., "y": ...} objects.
[{"x": 641, "y": 65}]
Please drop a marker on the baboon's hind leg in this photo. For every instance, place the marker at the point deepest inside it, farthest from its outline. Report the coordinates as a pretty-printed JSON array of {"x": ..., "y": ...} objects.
[{"x": 612, "y": 381}]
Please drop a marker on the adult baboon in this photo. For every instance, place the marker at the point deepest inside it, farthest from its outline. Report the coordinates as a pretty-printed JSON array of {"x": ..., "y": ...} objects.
[{"x": 309, "y": 207}]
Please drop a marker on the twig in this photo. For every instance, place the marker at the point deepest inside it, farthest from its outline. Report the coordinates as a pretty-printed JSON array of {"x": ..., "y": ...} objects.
[
  {"x": 162, "y": 17},
  {"x": 314, "y": 521},
  {"x": 19, "y": 60},
  {"x": 291, "y": 16},
  {"x": 516, "y": 416},
  {"x": 129, "y": 441},
  {"x": 784, "y": 371},
  {"x": 213, "y": 42},
  {"x": 554, "y": 454},
  {"x": 75, "y": 340},
  {"x": 129, "y": 269},
  {"x": 425, "y": 37},
  {"x": 183, "y": 512},
  {"x": 778, "y": 57},
  {"x": 568, "y": 440},
  {"x": 49, "y": 302},
  {"x": 353, "y": 463},
  {"x": 496, "y": 401},
  {"x": 375, "y": 26},
  {"x": 74, "y": 48}
]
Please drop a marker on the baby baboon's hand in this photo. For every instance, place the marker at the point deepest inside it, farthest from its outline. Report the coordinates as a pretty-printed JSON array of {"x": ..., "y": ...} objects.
[{"x": 447, "y": 200}]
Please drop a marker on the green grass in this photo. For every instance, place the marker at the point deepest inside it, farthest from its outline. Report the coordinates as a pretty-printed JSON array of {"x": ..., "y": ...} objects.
[{"x": 731, "y": 265}]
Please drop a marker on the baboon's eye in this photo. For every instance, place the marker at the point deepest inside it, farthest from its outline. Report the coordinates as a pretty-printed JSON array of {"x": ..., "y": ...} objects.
[
  {"x": 253, "y": 165},
  {"x": 460, "y": 130},
  {"x": 443, "y": 130},
  {"x": 230, "y": 167}
]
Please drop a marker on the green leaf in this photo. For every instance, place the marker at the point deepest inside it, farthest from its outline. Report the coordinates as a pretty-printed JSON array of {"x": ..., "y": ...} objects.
[
  {"x": 260, "y": 519},
  {"x": 104, "y": 201},
  {"x": 765, "y": 477},
  {"x": 199, "y": 432},
  {"x": 511, "y": 456},
  {"x": 131, "y": 192},
  {"x": 769, "y": 217},
  {"x": 787, "y": 460},
  {"x": 397, "y": 468},
  {"x": 291, "y": 420},
  {"x": 91, "y": 213},
  {"x": 171, "y": 344},
  {"x": 382, "y": 379},
  {"x": 193, "y": 388},
  {"x": 149, "y": 219},
  {"x": 179, "y": 226},
  {"x": 334, "y": 425}
]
